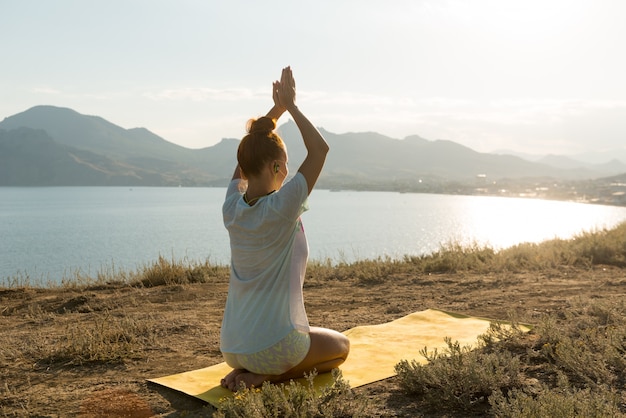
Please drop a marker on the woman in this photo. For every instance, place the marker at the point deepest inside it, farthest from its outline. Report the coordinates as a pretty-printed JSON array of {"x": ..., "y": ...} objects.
[{"x": 265, "y": 332}]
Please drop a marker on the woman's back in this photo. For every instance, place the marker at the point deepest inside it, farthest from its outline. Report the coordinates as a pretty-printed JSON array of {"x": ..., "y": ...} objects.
[{"x": 269, "y": 254}]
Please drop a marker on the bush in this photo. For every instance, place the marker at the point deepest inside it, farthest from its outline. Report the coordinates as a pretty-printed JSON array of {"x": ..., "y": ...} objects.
[
  {"x": 572, "y": 365},
  {"x": 607, "y": 246},
  {"x": 295, "y": 400},
  {"x": 557, "y": 403},
  {"x": 590, "y": 346},
  {"x": 460, "y": 377}
]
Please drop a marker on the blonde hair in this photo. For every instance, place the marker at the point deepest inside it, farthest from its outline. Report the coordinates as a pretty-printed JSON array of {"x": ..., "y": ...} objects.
[{"x": 260, "y": 146}]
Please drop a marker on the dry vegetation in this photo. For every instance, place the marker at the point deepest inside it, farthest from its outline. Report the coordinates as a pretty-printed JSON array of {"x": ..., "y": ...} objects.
[{"x": 86, "y": 347}]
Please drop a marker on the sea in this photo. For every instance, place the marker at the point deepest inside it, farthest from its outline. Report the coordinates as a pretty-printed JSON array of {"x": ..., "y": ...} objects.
[{"x": 52, "y": 234}]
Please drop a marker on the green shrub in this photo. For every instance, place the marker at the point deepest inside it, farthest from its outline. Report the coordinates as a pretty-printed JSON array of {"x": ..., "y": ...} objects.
[
  {"x": 503, "y": 335},
  {"x": 590, "y": 344},
  {"x": 556, "y": 403},
  {"x": 295, "y": 400},
  {"x": 459, "y": 377},
  {"x": 580, "y": 358},
  {"x": 569, "y": 365},
  {"x": 607, "y": 246}
]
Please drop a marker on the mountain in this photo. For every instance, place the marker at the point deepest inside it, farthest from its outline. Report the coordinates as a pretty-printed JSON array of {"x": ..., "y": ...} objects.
[
  {"x": 136, "y": 149},
  {"x": 600, "y": 157},
  {"x": 30, "y": 157},
  {"x": 375, "y": 158},
  {"x": 605, "y": 164},
  {"x": 92, "y": 133},
  {"x": 48, "y": 145}
]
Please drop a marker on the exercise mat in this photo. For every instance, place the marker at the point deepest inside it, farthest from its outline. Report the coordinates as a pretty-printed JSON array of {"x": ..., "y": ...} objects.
[{"x": 374, "y": 352}]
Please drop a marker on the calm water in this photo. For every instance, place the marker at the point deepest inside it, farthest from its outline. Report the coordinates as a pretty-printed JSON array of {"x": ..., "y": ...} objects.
[{"x": 50, "y": 233}]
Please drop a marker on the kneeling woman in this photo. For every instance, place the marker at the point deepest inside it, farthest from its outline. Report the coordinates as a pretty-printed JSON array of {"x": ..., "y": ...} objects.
[{"x": 265, "y": 333}]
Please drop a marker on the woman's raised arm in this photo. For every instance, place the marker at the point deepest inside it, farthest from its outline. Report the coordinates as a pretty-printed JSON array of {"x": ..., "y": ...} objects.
[{"x": 316, "y": 146}]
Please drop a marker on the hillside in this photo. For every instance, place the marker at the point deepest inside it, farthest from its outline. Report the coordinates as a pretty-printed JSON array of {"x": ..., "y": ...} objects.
[
  {"x": 152, "y": 160},
  {"x": 48, "y": 145},
  {"x": 30, "y": 157}
]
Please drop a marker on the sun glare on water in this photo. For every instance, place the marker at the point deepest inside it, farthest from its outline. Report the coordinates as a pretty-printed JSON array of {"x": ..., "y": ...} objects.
[{"x": 502, "y": 223}]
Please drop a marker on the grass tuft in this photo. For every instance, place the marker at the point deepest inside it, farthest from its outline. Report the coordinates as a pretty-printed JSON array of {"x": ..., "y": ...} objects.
[
  {"x": 103, "y": 339},
  {"x": 174, "y": 272}
]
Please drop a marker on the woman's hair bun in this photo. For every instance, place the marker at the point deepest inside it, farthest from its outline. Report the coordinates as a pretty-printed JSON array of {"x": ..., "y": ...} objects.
[{"x": 262, "y": 125}]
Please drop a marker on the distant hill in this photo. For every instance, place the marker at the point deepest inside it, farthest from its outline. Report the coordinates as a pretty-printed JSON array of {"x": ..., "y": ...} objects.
[
  {"x": 92, "y": 133},
  {"x": 373, "y": 158},
  {"x": 137, "y": 149},
  {"x": 30, "y": 157},
  {"x": 604, "y": 163},
  {"x": 48, "y": 145}
]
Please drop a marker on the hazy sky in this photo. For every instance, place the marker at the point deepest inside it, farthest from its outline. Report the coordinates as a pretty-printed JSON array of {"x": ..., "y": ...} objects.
[{"x": 540, "y": 76}]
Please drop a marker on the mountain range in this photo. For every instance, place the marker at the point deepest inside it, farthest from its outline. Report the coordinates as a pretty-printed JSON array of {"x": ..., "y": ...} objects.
[{"x": 53, "y": 146}]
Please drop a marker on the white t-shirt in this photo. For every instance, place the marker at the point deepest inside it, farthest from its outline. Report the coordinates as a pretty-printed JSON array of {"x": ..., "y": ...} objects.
[{"x": 269, "y": 252}]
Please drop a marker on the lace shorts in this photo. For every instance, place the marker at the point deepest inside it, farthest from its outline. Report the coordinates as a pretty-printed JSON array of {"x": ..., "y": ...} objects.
[{"x": 275, "y": 360}]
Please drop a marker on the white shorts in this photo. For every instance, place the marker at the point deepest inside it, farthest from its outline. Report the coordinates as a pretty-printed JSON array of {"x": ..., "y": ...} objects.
[{"x": 275, "y": 360}]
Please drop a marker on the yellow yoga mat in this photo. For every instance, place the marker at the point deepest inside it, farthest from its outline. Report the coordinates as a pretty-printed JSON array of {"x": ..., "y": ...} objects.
[{"x": 374, "y": 352}]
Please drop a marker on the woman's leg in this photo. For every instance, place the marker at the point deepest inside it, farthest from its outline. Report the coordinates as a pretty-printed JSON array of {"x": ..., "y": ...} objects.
[{"x": 329, "y": 349}]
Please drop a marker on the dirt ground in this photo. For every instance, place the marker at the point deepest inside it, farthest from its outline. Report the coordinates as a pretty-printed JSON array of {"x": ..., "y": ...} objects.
[{"x": 187, "y": 318}]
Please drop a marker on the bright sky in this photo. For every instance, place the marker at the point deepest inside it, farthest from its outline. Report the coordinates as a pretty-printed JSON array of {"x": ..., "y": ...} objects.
[{"x": 539, "y": 76}]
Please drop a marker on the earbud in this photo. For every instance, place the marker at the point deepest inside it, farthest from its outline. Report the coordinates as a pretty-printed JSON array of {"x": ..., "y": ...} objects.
[{"x": 276, "y": 167}]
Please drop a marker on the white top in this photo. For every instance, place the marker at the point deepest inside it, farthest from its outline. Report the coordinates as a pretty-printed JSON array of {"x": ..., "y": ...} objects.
[{"x": 269, "y": 253}]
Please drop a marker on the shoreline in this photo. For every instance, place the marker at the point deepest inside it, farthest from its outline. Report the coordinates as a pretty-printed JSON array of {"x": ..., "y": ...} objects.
[{"x": 111, "y": 273}]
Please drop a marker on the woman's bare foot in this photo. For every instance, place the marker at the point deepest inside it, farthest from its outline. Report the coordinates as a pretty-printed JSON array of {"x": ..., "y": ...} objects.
[
  {"x": 228, "y": 381},
  {"x": 249, "y": 379}
]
